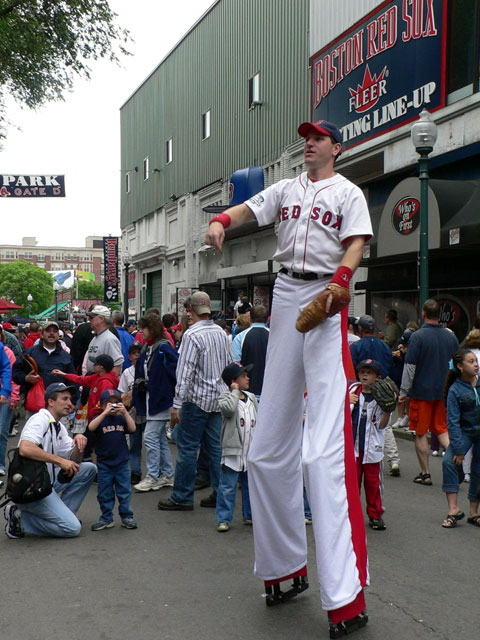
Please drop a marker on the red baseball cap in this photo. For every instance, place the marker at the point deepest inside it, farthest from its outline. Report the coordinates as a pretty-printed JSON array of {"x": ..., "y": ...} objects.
[{"x": 323, "y": 127}]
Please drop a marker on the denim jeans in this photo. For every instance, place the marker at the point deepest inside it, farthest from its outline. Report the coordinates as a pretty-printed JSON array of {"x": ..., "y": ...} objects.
[
  {"x": 203, "y": 469},
  {"x": 194, "y": 423},
  {"x": 450, "y": 475},
  {"x": 135, "y": 450},
  {"x": 159, "y": 458},
  {"x": 114, "y": 481},
  {"x": 55, "y": 515},
  {"x": 5, "y": 419},
  {"x": 227, "y": 490},
  {"x": 306, "y": 505}
]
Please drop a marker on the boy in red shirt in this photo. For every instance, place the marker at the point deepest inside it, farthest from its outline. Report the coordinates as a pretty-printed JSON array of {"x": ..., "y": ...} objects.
[{"x": 103, "y": 378}]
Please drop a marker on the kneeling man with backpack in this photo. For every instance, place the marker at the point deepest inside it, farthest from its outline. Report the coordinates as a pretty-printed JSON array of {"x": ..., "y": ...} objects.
[{"x": 45, "y": 483}]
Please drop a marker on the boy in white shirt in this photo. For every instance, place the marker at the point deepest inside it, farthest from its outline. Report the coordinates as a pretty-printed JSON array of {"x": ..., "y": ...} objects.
[
  {"x": 369, "y": 422},
  {"x": 239, "y": 412}
]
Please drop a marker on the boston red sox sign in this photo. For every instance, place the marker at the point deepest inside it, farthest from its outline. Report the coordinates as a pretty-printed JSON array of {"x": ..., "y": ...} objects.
[{"x": 383, "y": 71}]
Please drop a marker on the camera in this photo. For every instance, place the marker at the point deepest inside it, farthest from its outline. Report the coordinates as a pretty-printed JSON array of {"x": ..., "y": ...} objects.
[{"x": 140, "y": 385}]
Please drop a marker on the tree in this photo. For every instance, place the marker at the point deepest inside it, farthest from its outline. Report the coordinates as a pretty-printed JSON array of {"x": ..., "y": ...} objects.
[
  {"x": 44, "y": 44},
  {"x": 88, "y": 290},
  {"x": 19, "y": 279}
]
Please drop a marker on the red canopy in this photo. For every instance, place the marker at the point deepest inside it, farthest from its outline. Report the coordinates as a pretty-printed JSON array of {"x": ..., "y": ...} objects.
[{"x": 8, "y": 306}]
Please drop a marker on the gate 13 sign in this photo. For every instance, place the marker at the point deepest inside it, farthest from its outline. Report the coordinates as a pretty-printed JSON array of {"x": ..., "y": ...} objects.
[
  {"x": 380, "y": 73},
  {"x": 27, "y": 186}
]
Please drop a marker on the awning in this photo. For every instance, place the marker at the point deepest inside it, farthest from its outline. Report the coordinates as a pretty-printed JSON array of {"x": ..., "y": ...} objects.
[{"x": 51, "y": 311}]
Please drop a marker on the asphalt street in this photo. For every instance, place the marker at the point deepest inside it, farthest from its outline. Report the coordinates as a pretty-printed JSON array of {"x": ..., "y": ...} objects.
[{"x": 176, "y": 577}]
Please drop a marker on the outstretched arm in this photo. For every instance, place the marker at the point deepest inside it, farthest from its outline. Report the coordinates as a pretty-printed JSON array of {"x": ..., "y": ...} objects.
[{"x": 216, "y": 231}]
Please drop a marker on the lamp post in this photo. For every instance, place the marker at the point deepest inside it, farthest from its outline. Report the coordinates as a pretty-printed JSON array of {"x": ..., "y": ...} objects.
[
  {"x": 424, "y": 136},
  {"x": 29, "y": 300},
  {"x": 126, "y": 264},
  {"x": 55, "y": 289}
]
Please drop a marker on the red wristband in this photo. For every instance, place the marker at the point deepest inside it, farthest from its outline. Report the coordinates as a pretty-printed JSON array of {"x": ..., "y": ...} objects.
[
  {"x": 224, "y": 220},
  {"x": 342, "y": 277}
]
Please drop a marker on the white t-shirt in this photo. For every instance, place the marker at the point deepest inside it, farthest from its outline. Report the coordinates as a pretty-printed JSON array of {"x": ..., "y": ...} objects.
[
  {"x": 247, "y": 416},
  {"x": 351, "y": 338},
  {"x": 314, "y": 219},
  {"x": 37, "y": 430}
]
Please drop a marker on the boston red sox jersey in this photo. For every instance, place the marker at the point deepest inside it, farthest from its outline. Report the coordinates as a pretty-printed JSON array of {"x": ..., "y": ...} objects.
[
  {"x": 247, "y": 415},
  {"x": 315, "y": 219}
]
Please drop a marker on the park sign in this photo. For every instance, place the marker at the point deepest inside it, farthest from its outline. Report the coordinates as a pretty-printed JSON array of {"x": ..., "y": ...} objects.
[
  {"x": 29, "y": 186},
  {"x": 383, "y": 71}
]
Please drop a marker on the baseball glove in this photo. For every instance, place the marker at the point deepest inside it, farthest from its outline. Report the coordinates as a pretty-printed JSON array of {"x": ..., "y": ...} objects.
[
  {"x": 316, "y": 311},
  {"x": 30, "y": 364},
  {"x": 385, "y": 393}
]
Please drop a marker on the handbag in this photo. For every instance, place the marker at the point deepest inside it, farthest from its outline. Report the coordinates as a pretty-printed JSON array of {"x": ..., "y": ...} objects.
[{"x": 35, "y": 399}]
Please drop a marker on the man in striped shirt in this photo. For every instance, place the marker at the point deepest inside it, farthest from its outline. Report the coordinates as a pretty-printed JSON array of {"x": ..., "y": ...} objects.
[{"x": 204, "y": 353}]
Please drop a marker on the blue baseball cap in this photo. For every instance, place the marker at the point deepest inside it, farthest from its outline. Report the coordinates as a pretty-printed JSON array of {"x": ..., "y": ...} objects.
[
  {"x": 233, "y": 370},
  {"x": 110, "y": 394},
  {"x": 370, "y": 364},
  {"x": 57, "y": 387},
  {"x": 322, "y": 127}
]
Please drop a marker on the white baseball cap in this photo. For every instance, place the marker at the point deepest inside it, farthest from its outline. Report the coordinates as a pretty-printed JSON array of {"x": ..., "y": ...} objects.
[{"x": 99, "y": 310}]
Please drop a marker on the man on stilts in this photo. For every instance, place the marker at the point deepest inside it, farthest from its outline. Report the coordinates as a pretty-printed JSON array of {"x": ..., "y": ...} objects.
[{"x": 323, "y": 225}]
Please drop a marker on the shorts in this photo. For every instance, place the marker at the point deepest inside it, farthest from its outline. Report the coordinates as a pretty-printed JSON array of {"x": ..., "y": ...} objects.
[{"x": 427, "y": 415}]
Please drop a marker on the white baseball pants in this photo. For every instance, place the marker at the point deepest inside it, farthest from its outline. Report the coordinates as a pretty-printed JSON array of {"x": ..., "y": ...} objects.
[{"x": 325, "y": 451}]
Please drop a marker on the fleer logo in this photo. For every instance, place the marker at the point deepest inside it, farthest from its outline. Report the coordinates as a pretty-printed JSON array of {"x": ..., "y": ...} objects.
[
  {"x": 369, "y": 92},
  {"x": 405, "y": 216}
]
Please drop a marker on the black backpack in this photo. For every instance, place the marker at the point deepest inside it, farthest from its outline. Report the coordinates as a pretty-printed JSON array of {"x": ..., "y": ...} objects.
[{"x": 28, "y": 480}]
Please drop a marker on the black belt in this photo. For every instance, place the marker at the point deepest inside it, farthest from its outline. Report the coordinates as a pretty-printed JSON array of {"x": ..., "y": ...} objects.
[{"x": 304, "y": 276}]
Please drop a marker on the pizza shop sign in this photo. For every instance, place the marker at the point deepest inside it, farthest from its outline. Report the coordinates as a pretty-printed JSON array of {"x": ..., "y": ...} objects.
[
  {"x": 379, "y": 74},
  {"x": 28, "y": 186}
]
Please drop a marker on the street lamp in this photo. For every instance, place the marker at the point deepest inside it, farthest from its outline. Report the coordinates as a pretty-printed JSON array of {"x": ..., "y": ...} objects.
[
  {"x": 424, "y": 136},
  {"x": 29, "y": 300},
  {"x": 126, "y": 264},
  {"x": 56, "y": 288}
]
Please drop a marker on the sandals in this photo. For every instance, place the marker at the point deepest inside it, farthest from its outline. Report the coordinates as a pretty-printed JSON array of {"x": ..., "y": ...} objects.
[
  {"x": 423, "y": 478},
  {"x": 475, "y": 520},
  {"x": 452, "y": 519}
]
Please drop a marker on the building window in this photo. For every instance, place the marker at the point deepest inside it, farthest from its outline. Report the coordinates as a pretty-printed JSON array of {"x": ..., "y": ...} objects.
[
  {"x": 127, "y": 182},
  {"x": 58, "y": 256},
  {"x": 145, "y": 168},
  {"x": 41, "y": 257},
  {"x": 206, "y": 125},
  {"x": 28, "y": 255},
  {"x": 254, "y": 91},
  {"x": 10, "y": 255},
  {"x": 462, "y": 66},
  {"x": 169, "y": 150}
]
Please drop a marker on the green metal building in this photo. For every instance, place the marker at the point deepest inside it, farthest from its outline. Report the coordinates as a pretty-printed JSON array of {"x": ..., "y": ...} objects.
[{"x": 229, "y": 95}]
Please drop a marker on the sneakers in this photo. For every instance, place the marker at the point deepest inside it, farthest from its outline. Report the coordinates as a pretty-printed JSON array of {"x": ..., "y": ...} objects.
[
  {"x": 211, "y": 502},
  {"x": 163, "y": 481},
  {"x": 377, "y": 525},
  {"x": 434, "y": 454},
  {"x": 134, "y": 479},
  {"x": 395, "y": 470},
  {"x": 223, "y": 526},
  {"x": 247, "y": 521},
  {"x": 404, "y": 422},
  {"x": 148, "y": 484},
  {"x": 98, "y": 526},
  {"x": 12, "y": 528},
  {"x": 308, "y": 521},
  {"x": 129, "y": 523},
  {"x": 169, "y": 505},
  {"x": 397, "y": 424},
  {"x": 2, "y": 472},
  {"x": 13, "y": 433}
]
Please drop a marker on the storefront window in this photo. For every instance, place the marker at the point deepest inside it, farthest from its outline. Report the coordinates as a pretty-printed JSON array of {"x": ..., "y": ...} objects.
[{"x": 462, "y": 50}]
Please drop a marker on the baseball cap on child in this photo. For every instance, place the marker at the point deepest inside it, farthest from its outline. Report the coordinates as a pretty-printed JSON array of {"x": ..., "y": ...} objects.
[
  {"x": 110, "y": 394},
  {"x": 370, "y": 364},
  {"x": 105, "y": 361},
  {"x": 233, "y": 370},
  {"x": 367, "y": 322}
]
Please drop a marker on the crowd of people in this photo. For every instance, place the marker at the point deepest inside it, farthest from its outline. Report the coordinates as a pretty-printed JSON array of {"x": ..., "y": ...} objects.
[{"x": 282, "y": 407}]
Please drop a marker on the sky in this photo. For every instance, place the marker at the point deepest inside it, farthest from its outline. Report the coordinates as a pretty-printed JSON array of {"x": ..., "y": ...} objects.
[{"x": 80, "y": 137}]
